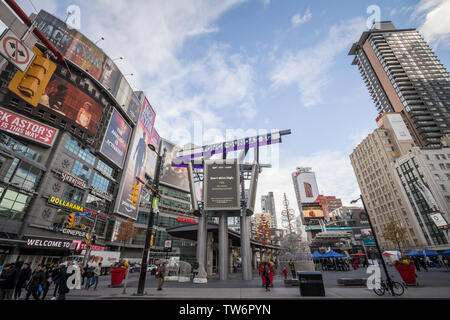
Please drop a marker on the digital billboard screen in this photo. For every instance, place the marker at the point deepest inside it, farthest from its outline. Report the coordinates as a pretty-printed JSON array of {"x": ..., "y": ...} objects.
[
  {"x": 75, "y": 47},
  {"x": 176, "y": 177},
  {"x": 115, "y": 141},
  {"x": 221, "y": 185},
  {"x": 307, "y": 186},
  {"x": 137, "y": 161},
  {"x": 68, "y": 100}
]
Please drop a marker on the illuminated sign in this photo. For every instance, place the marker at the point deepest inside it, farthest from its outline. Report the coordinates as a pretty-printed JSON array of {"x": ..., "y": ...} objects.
[
  {"x": 26, "y": 128},
  {"x": 183, "y": 219},
  {"x": 66, "y": 204},
  {"x": 83, "y": 246}
]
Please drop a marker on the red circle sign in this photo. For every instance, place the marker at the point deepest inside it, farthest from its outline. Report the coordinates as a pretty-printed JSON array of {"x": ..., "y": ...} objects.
[{"x": 15, "y": 50}]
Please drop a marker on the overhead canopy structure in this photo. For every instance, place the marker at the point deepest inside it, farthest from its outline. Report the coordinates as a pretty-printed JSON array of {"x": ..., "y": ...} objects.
[
  {"x": 445, "y": 253},
  {"x": 333, "y": 254},
  {"x": 414, "y": 253},
  {"x": 430, "y": 253},
  {"x": 317, "y": 255}
]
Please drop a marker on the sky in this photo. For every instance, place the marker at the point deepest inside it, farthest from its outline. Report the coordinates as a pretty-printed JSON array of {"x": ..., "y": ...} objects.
[{"x": 231, "y": 68}]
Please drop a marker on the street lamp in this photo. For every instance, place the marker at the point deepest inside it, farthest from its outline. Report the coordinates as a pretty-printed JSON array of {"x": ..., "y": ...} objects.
[
  {"x": 388, "y": 278},
  {"x": 155, "y": 192}
]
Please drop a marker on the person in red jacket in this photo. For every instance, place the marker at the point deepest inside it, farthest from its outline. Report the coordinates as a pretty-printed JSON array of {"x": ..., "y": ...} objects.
[
  {"x": 285, "y": 272},
  {"x": 261, "y": 274},
  {"x": 272, "y": 271}
]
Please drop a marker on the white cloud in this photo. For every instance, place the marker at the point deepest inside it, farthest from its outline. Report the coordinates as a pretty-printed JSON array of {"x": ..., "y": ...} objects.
[
  {"x": 298, "y": 19},
  {"x": 310, "y": 68},
  {"x": 434, "y": 15}
]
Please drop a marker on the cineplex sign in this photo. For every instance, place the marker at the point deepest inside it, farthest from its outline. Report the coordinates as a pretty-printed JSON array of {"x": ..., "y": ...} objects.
[{"x": 27, "y": 128}]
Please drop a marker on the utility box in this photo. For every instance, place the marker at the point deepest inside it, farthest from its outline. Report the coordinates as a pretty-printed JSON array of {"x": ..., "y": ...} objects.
[{"x": 311, "y": 284}]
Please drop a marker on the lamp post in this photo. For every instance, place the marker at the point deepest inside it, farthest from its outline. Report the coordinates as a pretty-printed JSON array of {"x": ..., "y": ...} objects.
[
  {"x": 143, "y": 272},
  {"x": 388, "y": 278}
]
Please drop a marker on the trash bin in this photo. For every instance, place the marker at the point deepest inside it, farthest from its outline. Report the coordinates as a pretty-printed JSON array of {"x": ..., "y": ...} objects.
[
  {"x": 117, "y": 276},
  {"x": 311, "y": 283}
]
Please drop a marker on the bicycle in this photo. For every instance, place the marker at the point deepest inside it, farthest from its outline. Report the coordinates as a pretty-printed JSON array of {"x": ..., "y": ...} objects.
[{"x": 397, "y": 288}]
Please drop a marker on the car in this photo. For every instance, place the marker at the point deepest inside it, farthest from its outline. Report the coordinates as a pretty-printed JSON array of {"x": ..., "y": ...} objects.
[
  {"x": 152, "y": 267},
  {"x": 135, "y": 268}
]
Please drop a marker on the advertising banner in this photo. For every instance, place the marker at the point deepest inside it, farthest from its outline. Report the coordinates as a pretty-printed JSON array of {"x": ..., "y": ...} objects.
[
  {"x": 307, "y": 186},
  {"x": 221, "y": 185},
  {"x": 27, "y": 128},
  {"x": 309, "y": 213},
  {"x": 137, "y": 161},
  {"x": 176, "y": 177},
  {"x": 399, "y": 126},
  {"x": 438, "y": 220},
  {"x": 45, "y": 243},
  {"x": 115, "y": 141},
  {"x": 66, "y": 99},
  {"x": 75, "y": 47}
]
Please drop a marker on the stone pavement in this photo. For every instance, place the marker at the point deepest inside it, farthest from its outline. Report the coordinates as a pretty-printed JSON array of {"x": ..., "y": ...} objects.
[{"x": 434, "y": 284}]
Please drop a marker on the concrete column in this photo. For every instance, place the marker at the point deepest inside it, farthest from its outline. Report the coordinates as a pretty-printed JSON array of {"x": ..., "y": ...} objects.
[
  {"x": 245, "y": 248},
  {"x": 230, "y": 259},
  {"x": 209, "y": 253},
  {"x": 201, "y": 241},
  {"x": 223, "y": 247},
  {"x": 254, "y": 262}
]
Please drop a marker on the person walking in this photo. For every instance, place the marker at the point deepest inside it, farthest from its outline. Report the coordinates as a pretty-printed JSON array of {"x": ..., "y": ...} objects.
[
  {"x": 36, "y": 282},
  {"x": 161, "y": 275},
  {"x": 7, "y": 281},
  {"x": 271, "y": 273},
  {"x": 266, "y": 274},
  {"x": 292, "y": 265},
  {"x": 63, "y": 289},
  {"x": 22, "y": 277},
  {"x": 56, "y": 278},
  {"x": 47, "y": 282},
  {"x": 89, "y": 274},
  {"x": 416, "y": 264},
  {"x": 97, "y": 273},
  {"x": 285, "y": 272}
]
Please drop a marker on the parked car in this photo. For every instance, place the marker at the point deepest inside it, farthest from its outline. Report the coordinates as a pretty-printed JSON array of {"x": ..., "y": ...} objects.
[
  {"x": 135, "y": 267},
  {"x": 152, "y": 267}
]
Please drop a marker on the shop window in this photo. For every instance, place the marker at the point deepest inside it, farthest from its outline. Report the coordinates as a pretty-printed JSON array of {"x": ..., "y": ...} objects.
[
  {"x": 13, "y": 205},
  {"x": 74, "y": 195}
]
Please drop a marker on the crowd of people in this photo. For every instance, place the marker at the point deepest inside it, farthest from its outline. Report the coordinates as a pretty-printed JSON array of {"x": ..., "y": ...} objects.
[{"x": 17, "y": 278}]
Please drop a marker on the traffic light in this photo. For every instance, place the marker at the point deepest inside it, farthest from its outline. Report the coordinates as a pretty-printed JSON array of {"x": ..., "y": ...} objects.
[
  {"x": 30, "y": 85},
  {"x": 88, "y": 240},
  {"x": 151, "y": 241},
  {"x": 70, "y": 220},
  {"x": 135, "y": 193}
]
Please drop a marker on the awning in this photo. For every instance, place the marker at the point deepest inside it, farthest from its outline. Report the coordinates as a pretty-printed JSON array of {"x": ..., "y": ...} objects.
[
  {"x": 430, "y": 253},
  {"x": 317, "y": 255},
  {"x": 414, "y": 253}
]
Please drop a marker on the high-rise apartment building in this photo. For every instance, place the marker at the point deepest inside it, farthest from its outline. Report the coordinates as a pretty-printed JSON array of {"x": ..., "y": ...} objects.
[
  {"x": 382, "y": 193},
  {"x": 403, "y": 75},
  {"x": 268, "y": 206}
]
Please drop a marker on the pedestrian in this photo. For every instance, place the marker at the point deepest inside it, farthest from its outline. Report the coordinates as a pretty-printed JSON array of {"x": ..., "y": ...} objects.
[
  {"x": 195, "y": 269},
  {"x": 292, "y": 265},
  {"x": 83, "y": 274},
  {"x": 271, "y": 273},
  {"x": 7, "y": 281},
  {"x": 89, "y": 274},
  {"x": 285, "y": 272},
  {"x": 423, "y": 264},
  {"x": 56, "y": 278},
  {"x": 63, "y": 289},
  {"x": 35, "y": 284},
  {"x": 266, "y": 274},
  {"x": 161, "y": 275},
  {"x": 97, "y": 273},
  {"x": 416, "y": 264},
  {"x": 22, "y": 277},
  {"x": 47, "y": 282}
]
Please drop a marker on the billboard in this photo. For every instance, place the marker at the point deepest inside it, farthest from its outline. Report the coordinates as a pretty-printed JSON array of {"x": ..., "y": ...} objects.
[
  {"x": 75, "y": 47},
  {"x": 138, "y": 160},
  {"x": 115, "y": 141},
  {"x": 399, "y": 126},
  {"x": 222, "y": 185},
  {"x": 27, "y": 128},
  {"x": 313, "y": 212},
  {"x": 307, "y": 186},
  {"x": 68, "y": 100},
  {"x": 176, "y": 177}
]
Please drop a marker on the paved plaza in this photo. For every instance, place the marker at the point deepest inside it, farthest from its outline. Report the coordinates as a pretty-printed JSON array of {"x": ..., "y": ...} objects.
[{"x": 434, "y": 284}]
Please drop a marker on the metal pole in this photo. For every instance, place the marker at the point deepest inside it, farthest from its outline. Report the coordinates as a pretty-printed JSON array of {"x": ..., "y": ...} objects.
[
  {"x": 389, "y": 281},
  {"x": 144, "y": 263},
  {"x": 88, "y": 249}
]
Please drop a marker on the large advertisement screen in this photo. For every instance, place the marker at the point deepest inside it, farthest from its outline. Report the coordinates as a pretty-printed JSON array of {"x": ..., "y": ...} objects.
[
  {"x": 115, "y": 142},
  {"x": 68, "y": 100},
  {"x": 221, "y": 185},
  {"x": 137, "y": 161},
  {"x": 176, "y": 177},
  {"x": 24, "y": 127},
  {"x": 307, "y": 186},
  {"x": 311, "y": 213},
  {"x": 75, "y": 47}
]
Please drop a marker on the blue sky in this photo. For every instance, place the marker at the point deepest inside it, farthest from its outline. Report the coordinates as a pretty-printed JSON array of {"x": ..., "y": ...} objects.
[{"x": 257, "y": 64}]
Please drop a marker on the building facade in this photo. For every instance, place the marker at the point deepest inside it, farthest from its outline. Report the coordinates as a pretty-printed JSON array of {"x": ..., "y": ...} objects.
[
  {"x": 268, "y": 206},
  {"x": 329, "y": 204},
  {"x": 371, "y": 161},
  {"x": 403, "y": 75}
]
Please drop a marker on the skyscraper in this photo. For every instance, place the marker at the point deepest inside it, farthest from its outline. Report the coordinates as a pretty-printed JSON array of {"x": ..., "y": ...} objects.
[
  {"x": 404, "y": 75},
  {"x": 268, "y": 206}
]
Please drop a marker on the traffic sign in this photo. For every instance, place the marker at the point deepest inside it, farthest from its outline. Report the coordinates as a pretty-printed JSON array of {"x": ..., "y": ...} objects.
[{"x": 13, "y": 49}]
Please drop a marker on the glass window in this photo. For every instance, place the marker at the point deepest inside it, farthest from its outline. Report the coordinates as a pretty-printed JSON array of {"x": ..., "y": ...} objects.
[
  {"x": 100, "y": 183},
  {"x": 82, "y": 171},
  {"x": 74, "y": 195},
  {"x": 73, "y": 146},
  {"x": 16, "y": 146},
  {"x": 13, "y": 204},
  {"x": 105, "y": 169},
  {"x": 97, "y": 204},
  {"x": 27, "y": 176}
]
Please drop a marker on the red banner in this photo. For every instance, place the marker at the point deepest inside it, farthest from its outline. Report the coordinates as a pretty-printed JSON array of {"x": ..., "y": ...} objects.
[{"x": 27, "y": 128}]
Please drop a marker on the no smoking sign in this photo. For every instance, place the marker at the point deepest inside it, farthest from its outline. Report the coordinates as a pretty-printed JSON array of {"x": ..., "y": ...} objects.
[{"x": 15, "y": 51}]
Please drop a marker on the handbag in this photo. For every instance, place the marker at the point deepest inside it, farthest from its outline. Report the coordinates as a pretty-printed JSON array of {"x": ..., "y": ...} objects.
[{"x": 40, "y": 288}]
